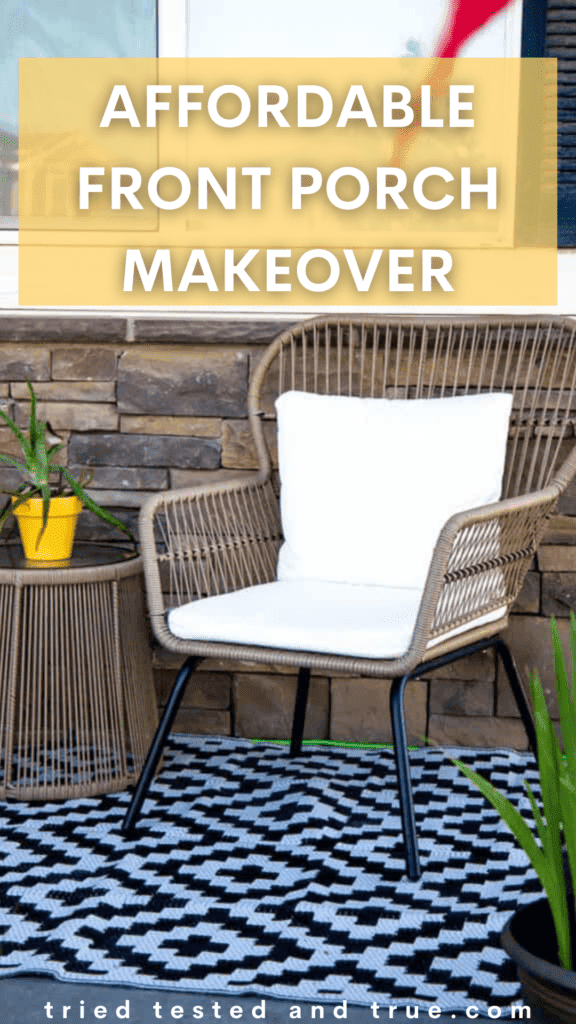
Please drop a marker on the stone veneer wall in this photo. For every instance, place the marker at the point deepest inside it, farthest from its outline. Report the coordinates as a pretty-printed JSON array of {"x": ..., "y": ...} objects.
[{"x": 152, "y": 403}]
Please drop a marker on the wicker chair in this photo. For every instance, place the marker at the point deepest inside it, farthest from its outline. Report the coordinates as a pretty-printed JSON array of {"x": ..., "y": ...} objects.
[{"x": 224, "y": 537}]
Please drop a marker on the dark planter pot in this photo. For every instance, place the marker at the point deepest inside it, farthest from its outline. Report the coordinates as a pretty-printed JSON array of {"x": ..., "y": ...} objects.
[{"x": 529, "y": 939}]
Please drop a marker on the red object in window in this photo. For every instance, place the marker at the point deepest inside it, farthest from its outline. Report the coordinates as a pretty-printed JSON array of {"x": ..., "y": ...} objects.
[{"x": 464, "y": 19}]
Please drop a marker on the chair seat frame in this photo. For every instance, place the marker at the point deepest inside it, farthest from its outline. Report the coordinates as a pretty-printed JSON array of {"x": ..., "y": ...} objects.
[{"x": 221, "y": 537}]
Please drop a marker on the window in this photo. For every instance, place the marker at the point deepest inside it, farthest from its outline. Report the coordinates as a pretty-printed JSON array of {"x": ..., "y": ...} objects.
[
  {"x": 337, "y": 28},
  {"x": 60, "y": 28},
  {"x": 296, "y": 27}
]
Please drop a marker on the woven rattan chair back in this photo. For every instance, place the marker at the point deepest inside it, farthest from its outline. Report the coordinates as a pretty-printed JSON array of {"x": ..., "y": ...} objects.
[
  {"x": 392, "y": 357},
  {"x": 225, "y": 536}
]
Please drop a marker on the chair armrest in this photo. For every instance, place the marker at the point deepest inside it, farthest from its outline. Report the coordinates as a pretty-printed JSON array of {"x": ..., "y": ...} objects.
[
  {"x": 479, "y": 563},
  {"x": 201, "y": 541}
]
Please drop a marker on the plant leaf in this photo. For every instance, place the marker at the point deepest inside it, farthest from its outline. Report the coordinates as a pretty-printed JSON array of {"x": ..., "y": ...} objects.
[
  {"x": 86, "y": 477},
  {"x": 551, "y": 768},
  {"x": 32, "y": 423},
  {"x": 51, "y": 452},
  {"x": 46, "y": 495},
  {"x": 14, "y": 504},
  {"x": 41, "y": 453},
  {"x": 537, "y": 816},
  {"x": 509, "y": 814},
  {"x": 568, "y": 781},
  {"x": 13, "y": 462},
  {"x": 25, "y": 444},
  {"x": 568, "y": 801},
  {"x": 565, "y": 697},
  {"x": 91, "y": 504},
  {"x": 543, "y": 865}
]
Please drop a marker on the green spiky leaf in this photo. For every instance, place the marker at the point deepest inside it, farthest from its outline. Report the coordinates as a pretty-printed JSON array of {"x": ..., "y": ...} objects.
[
  {"x": 32, "y": 422},
  {"x": 38, "y": 465},
  {"x": 13, "y": 462},
  {"x": 53, "y": 450},
  {"x": 90, "y": 504},
  {"x": 557, "y": 770},
  {"x": 24, "y": 443},
  {"x": 13, "y": 504},
  {"x": 536, "y": 812}
]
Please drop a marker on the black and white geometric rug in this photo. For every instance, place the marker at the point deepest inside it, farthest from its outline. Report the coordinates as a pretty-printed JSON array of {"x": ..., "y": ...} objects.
[{"x": 253, "y": 874}]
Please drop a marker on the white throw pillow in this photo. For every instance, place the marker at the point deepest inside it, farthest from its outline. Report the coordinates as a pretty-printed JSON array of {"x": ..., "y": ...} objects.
[{"x": 368, "y": 483}]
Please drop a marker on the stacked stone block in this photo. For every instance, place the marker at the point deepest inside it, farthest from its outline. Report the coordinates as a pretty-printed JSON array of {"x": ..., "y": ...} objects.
[{"x": 149, "y": 404}]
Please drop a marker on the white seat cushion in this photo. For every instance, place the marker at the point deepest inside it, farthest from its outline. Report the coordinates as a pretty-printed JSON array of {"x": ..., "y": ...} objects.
[
  {"x": 308, "y": 615},
  {"x": 368, "y": 483}
]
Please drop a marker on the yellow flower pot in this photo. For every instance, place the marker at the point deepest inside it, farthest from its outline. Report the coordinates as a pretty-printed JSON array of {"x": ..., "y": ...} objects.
[{"x": 56, "y": 542}]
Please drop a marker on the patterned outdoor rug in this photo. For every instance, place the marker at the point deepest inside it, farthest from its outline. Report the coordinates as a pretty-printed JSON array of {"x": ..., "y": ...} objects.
[{"x": 256, "y": 875}]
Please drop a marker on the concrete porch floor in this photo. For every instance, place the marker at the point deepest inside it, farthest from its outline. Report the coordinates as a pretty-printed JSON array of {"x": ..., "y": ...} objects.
[{"x": 23, "y": 1000}]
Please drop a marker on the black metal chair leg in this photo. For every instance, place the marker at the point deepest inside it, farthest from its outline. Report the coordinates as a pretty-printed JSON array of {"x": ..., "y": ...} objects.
[
  {"x": 403, "y": 770},
  {"x": 299, "y": 712},
  {"x": 158, "y": 743},
  {"x": 518, "y": 691}
]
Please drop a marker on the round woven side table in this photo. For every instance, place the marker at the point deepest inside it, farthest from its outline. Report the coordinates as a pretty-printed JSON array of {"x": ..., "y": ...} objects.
[{"x": 77, "y": 703}]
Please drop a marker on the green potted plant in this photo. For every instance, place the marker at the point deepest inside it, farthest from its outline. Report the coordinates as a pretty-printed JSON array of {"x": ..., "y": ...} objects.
[
  {"x": 47, "y": 512},
  {"x": 541, "y": 937}
]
